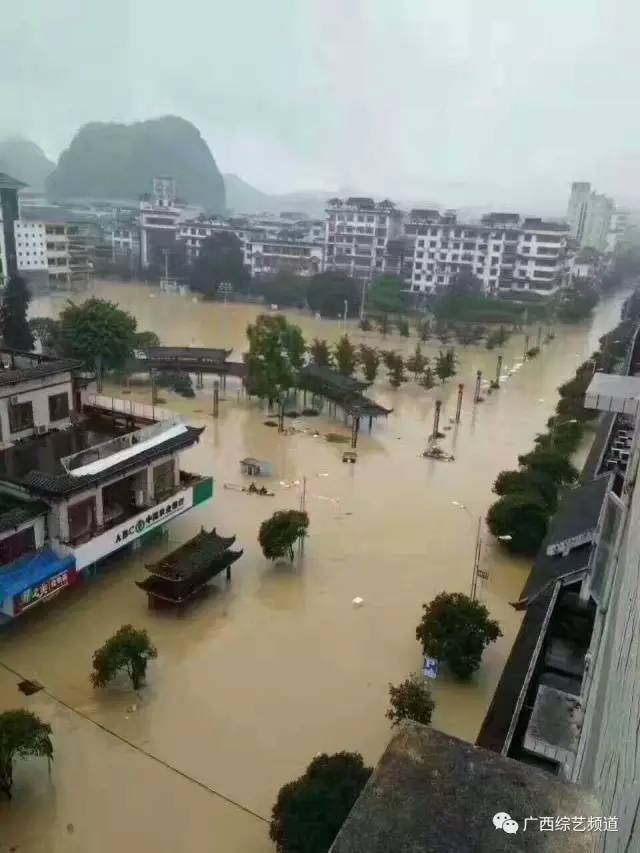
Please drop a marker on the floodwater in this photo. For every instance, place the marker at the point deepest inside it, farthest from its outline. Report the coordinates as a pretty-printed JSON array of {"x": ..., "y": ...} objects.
[{"x": 258, "y": 677}]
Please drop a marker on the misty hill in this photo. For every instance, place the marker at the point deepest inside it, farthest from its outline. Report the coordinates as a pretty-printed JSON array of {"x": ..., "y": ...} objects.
[
  {"x": 119, "y": 161},
  {"x": 25, "y": 161},
  {"x": 243, "y": 198}
]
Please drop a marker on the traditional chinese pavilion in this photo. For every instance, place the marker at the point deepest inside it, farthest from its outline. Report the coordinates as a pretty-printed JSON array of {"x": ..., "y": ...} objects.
[{"x": 180, "y": 575}]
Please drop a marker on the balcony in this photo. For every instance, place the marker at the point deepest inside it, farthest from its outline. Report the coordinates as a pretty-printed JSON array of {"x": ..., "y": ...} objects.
[{"x": 132, "y": 517}]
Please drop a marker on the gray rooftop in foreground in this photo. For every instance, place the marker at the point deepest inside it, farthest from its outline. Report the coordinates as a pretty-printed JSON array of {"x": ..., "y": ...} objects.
[
  {"x": 432, "y": 793},
  {"x": 610, "y": 392}
]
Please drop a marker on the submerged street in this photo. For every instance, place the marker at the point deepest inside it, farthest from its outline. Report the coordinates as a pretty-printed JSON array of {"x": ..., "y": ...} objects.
[{"x": 259, "y": 676}]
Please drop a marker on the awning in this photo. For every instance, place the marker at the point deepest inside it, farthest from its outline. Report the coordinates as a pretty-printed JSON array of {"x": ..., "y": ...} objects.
[{"x": 33, "y": 569}]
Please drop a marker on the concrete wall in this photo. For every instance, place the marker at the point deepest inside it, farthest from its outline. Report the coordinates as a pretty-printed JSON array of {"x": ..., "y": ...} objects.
[
  {"x": 37, "y": 392},
  {"x": 609, "y": 754}
]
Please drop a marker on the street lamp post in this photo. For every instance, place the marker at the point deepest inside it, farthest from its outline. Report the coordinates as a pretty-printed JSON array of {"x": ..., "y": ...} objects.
[
  {"x": 346, "y": 309},
  {"x": 477, "y": 553}
]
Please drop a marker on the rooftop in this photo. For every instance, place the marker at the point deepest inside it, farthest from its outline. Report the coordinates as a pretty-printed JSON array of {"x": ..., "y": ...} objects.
[
  {"x": 13, "y": 376},
  {"x": 432, "y": 793},
  {"x": 9, "y": 183},
  {"x": 609, "y": 392},
  {"x": 183, "y": 354},
  {"x": 193, "y": 557},
  {"x": 14, "y": 512},
  {"x": 36, "y": 463}
]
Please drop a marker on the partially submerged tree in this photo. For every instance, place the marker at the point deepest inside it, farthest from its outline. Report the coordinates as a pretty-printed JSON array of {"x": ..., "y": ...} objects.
[
  {"x": 456, "y": 630},
  {"x": 369, "y": 359},
  {"x": 145, "y": 340},
  {"x": 410, "y": 700},
  {"x": 346, "y": 356},
  {"x": 22, "y": 735},
  {"x": 386, "y": 294},
  {"x": 552, "y": 463},
  {"x": 417, "y": 362},
  {"x": 276, "y": 354},
  {"x": 396, "y": 371},
  {"x": 47, "y": 331},
  {"x": 278, "y": 534},
  {"x": 328, "y": 291},
  {"x": 384, "y": 325},
  {"x": 523, "y": 516},
  {"x": 219, "y": 261},
  {"x": 16, "y": 333},
  {"x": 445, "y": 364},
  {"x": 402, "y": 325},
  {"x": 320, "y": 353},
  {"x": 98, "y": 333},
  {"x": 527, "y": 480},
  {"x": 129, "y": 649},
  {"x": 427, "y": 380},
  {"x": 309, "y": 811}
]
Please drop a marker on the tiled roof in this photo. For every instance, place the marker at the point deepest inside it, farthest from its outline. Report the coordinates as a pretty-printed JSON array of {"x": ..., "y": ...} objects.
[
  {"x": 46, "y": 368},
  {"x": 22, "y": 511},
  {"x": 57, "y": 484},
  {"x": 9, "y": 183}
]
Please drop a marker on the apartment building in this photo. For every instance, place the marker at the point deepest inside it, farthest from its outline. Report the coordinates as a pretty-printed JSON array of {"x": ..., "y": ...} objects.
[
  {"x": 31, "y": 251},
  {"x": 364, "y": 238},
  {"x": 267, "y": 257},
  {"x": 81, "y": 476},
  {"x": 504, "y": 251},
  {"x": 9, "y": 213},
  {"x": 589, "y": 215}
]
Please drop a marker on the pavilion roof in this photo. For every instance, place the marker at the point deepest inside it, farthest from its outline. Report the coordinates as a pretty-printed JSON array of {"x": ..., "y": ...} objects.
[
  {"x": 343, "y": 390},
  {"x": 192, "y": 558}
]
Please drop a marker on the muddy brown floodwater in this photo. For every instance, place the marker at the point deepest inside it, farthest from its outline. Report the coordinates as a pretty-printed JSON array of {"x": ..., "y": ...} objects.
[{"x": 261, "y": 675}]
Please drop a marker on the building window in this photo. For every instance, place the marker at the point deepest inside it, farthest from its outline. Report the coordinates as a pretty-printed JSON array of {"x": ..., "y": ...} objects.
[
  {"x": 15, "y": 546},
  {"x": 20, "y": 416},
  {"x": 163, "y": 483},
  {"x": 58, "y": 406}
]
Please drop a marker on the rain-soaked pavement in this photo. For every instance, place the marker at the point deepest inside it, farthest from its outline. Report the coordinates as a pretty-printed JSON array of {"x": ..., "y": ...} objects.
[{"x": 257, "y": 677}]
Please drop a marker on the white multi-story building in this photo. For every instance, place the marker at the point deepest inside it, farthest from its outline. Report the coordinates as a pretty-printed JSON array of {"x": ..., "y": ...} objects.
[
  {"x": 58, "y": 253},
  {"x": 31, "y": 245},
  {"x": 589, "y": 215},
  {"x": 363, "y": 238},
  {"x": 42, "y": 250},
  {"x": 540, "y": 254},
  {"x": 503, "y": 252},
  {"x": 74, "y": 488},
  {"x": 617, "y": 230},
  {"x": 266, "y": 257}
]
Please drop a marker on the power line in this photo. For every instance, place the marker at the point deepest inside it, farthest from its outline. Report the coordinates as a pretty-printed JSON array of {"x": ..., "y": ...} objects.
[{"x": 139, "y": 749}]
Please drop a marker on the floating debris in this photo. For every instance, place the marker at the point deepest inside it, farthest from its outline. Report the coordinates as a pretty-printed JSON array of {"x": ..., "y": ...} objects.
[
  {"x": 336, "y": 438},
  {"x": 438, "y": 454},
  {"x": 357, "y": 601}
]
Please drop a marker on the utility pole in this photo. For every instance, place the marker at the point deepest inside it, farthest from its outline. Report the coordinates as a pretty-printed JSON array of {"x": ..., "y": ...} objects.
[
  {"x": 363, "y": 296},
  {"x": 498, "y": 370},
  {"x": 303, "y": 508},
  {"x": 216, "y": 397},
  {"x": 459, "y": 404},
  {"x": 526, "y": 347},
  {"x": 539, "y": 343},
  {"x": 346, "y": 309},
  {"x": 476, "y": 396},
  {"x": 436, "y": 420},
  {"x": 355, "y": 429},
  {"x": 476, "y": 560}
]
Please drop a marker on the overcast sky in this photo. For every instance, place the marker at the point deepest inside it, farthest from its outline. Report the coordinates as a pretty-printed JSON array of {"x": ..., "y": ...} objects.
[{"x": 460, "y": 101}]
